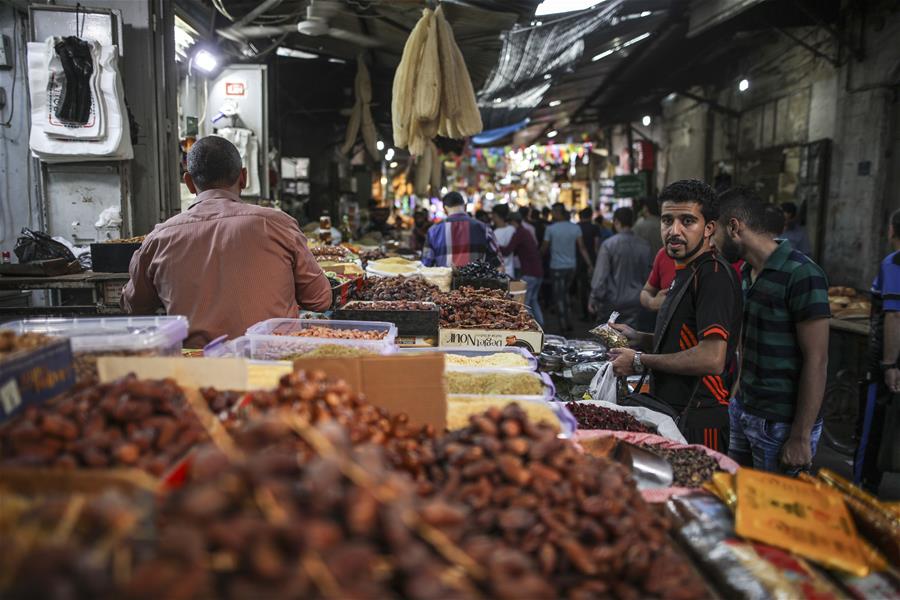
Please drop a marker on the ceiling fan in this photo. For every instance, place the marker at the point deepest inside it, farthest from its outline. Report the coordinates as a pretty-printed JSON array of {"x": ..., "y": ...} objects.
[{"x": 316, "y": 24}]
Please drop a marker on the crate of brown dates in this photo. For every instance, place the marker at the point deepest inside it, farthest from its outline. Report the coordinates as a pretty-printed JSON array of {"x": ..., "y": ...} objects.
[
  {"x": 411, "y": 318},
  {"x": 33, "y": 369}
]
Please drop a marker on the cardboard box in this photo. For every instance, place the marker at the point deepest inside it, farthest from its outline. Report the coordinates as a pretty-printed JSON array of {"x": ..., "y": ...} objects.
[
  {"x": 410, "y": 384},
  {"x": 517, "y": 290},
  {"x": 533, "y": 341},
  {"x": 35, "y": 377}
]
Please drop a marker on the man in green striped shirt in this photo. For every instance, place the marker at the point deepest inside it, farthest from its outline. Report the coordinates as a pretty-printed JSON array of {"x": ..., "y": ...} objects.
[{"x": 775, "y": 421}]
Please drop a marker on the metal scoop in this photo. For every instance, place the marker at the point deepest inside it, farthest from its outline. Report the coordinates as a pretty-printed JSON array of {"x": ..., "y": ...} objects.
[{"x": 649, "y": 470}]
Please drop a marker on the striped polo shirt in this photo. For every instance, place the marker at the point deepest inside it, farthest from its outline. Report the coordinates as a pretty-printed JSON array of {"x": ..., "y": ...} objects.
[{"x": 790, "y": 289}]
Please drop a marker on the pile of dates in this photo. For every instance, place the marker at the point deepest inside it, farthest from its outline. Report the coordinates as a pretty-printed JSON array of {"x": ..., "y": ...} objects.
[
  {"x": 399, "y": 288},
  {"x": 479, "y": 270},
  {"x": 580, "y": 518},
  {"x": 468, "y": 308},
  {"x": 396, "y": 305},
  {"x": 341, "y": 525},
  {"x": 128, "y": 423},
  {"x": 312, "y": 397},
  {"x": 12, "y": 343}
]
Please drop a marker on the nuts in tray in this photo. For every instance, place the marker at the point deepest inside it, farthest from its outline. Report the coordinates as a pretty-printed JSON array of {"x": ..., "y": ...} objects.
[
  {"x": 127, "y": 423},
  {"x": 580, "y": 519},
  {"x": 318, "y": 331},
  {"x": 13, "y": 343},
  {"x": 399, "y": 288},
  {"x": 499, "y": 383},
  {"x": 591, "y": 416},
  {"x": 691, "y": 467},
  {"x": 387, "y": 305}
]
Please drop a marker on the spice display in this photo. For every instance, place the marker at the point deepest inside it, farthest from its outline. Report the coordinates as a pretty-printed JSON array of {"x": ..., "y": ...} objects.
[
  {"x": 127, "y": 423},
  {"x": 591, "y": 416},
  {"x": 396, "y": 305},
  {"x": 317, "y": 331},
  {"x": 691, "y": 467},
  {"x": 500, "y": 383},
  {"x": 12, "y": 343},
  {"x": 333, "y": 253},
  {"x": 579, "y": 518},
  {"x": 479, "y": 270},
  {"x": 461, "y": 408},
  {"x": 399, "y": 288},
  {"x": 507, "y": 360},
  {"x": 467, "y": 308},
  {"x": 332, "y": 351}
]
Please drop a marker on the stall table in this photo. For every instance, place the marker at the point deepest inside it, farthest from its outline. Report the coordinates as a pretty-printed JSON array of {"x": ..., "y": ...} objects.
[
  {"x": 105, "y": 289},
  {"x": 847, "y": 364}
]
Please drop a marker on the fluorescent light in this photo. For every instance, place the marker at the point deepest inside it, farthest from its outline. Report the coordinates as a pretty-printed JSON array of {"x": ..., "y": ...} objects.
[
  {"x": 554, "y": 103},
  {"x": 337, "y": 61},
  {"x": 646, "y": 13},
  {"x": 552, "y": 7},
  {"x": 639, "y": 38},
  {"x": 744, "y": 85},
  {"x": 380, "y": 145},
  {"x": 293, "y": 53},
  {"x": 498, "y": 100},
  {"x": 393, "y": 165},
  {"x": 389, "y": 155},
  {"x": 604, "y": 54},
  {"x": 547, "y": 76},
  {"x": 205, "y": 60},
  {"x": 646, "y": 121},
  {"x": 553, "y": 134}
]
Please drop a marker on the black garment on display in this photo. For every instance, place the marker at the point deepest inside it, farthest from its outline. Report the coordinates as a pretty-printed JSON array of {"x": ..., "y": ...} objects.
[{"x": 78, "y": 65}]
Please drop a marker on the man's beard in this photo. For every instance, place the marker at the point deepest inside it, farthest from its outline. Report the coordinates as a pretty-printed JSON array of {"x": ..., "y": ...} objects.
[{"x": 730, "y": 251}]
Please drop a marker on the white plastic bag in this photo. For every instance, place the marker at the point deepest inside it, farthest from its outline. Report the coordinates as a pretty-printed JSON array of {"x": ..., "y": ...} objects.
[{"x": 603, "y": 385}]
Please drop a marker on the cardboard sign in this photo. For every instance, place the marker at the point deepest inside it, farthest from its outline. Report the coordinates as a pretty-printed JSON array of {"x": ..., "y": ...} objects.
[
  {"x": 411, "y": 384},
  {"x": 34, "y": 377},
  {"x": 792, "y": 514}
]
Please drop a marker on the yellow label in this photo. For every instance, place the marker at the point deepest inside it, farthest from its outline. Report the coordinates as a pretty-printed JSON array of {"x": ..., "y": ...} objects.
[
  {"x": 266, "y": 376},
  {"x": 795, "y": 515}
]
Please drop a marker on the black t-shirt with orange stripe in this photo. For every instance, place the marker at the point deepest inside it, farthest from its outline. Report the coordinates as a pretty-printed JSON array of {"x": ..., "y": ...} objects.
[{"x": 711, "y": 307}]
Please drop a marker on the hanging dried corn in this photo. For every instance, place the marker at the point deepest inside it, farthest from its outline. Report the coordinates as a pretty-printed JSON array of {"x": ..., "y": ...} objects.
[
  {"x": 436, "y": 170},
  {"x": 361, "y": 117},
  {"x": 432, "y": 91},
  {"x": 423, "y": 171}
]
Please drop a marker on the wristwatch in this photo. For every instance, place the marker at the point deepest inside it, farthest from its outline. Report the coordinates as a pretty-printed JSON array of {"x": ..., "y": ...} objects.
[{"x": 636, "y": 363}]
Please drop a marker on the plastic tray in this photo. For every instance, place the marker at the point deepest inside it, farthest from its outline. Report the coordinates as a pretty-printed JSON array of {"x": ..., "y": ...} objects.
[
  {"x": 151, "y": 335},
  {"x": 531, "y": 366},
  {"x": 568, "y": 425},
  {"x": 263, "y": 343}
]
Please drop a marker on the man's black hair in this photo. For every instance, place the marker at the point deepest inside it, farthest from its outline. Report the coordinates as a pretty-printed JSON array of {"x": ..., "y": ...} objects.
[
  {"x": 213, "y": 162},
  {"x": 774, "y": 219},
  {"x": 651, "y": 204},
  {"x": 625, "y": 216},
  {"x": 525, "y": 211},
  {"x": 789, "y": 208},
  {"x": 502, "y": 211},
  {"x": 695, "y": 191},
  {"x": 452, "y": 199},
  {"x": 745, "y": 205},
  {"x": 586, "y": 214},
  {"x": 481, "y": 215},
  {"x": 895, "y": 223}
]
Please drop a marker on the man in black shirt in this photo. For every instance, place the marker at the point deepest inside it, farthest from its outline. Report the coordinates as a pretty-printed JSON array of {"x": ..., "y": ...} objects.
[{"x": 691, "y": 355}]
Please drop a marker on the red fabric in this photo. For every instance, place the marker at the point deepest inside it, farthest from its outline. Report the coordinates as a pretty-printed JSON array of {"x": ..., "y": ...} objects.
[
  {"x": 738, "y": 266},
  {"x": 663, "y": 273}
]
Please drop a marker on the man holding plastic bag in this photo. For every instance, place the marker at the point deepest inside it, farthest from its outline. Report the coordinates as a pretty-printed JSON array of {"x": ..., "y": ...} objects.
[{"x": 691, "y": 355}]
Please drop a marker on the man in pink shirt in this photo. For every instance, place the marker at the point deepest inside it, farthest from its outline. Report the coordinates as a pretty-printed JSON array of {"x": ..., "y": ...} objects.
[{"x": 223, "y": 264}]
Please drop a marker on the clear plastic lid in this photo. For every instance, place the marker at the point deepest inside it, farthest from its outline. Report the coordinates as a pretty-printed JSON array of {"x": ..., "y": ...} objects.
[
  {"x": 529, "y": 362},
  {"x": 109, "y": 333}
]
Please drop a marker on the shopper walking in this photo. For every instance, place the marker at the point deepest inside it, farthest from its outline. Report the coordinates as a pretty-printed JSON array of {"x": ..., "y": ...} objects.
[
  {"x": 592, "y": 238},
  {"x": 524, "y": 247},
  {"x": 223, "y": 264},
  {"x": 883, "y": 378},
  {"x": 561, "y": 241},
  {"x": 794, "y": 232},
  {"x": 622, "y": 267},
  {"x": 775, "y": 422},
  {"x": 503, "y": 233},
  {"x": 692, "y": 351},
  {"x": 647, "y": 226},
  {"x": 459, "y": 239}
]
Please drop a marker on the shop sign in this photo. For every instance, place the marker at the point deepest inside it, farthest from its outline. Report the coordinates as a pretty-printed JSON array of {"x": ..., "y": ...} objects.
[
  {"x": 235, "y": 89},
  {"x": 630, "y": 186}
]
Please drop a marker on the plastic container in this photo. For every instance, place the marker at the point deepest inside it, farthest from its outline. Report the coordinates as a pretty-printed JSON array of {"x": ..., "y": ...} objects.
[
  {"x": 111, "y": 336},
  {"x": 568, "y": 425},
  {"x": 271, "y": 339},
  {"x": 528, "y": 356},
  {"x": 549, "y": 390}
]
